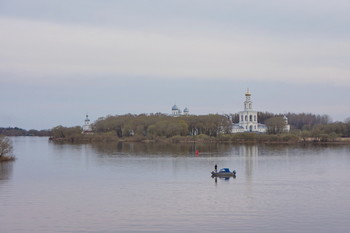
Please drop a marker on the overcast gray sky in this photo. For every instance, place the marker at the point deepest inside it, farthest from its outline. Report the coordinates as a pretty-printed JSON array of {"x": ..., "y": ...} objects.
[{"x": 61, "y": 59}]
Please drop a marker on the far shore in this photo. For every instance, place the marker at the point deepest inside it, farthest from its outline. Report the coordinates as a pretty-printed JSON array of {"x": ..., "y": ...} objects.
[{"x": 234, "y": 139}]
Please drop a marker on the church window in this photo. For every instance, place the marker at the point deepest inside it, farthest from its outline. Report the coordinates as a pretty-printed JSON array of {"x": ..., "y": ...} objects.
[
  {"x": 250, "y": 118},
  {"x": 254, "y": 117},
  {"x": 246, "y": 118}
]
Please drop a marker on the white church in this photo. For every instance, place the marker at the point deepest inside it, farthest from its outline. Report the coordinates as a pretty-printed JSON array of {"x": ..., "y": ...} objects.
[
  {"x": 176, "y": 111},
  {"x": 87, "y": 129},
  {"x": 248, "y": 119}
]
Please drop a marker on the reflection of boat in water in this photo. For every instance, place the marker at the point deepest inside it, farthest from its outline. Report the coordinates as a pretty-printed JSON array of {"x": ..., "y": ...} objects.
[{"x": 224, "y": 172}]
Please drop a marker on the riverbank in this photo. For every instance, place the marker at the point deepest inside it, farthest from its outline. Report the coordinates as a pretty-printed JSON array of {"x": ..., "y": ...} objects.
[{"x": 227, "y": 138}]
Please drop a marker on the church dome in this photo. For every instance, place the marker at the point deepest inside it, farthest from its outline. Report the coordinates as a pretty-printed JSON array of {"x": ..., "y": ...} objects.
[
  {"x": 186, "y": 110},
  {"x": 174, "y": 107}
]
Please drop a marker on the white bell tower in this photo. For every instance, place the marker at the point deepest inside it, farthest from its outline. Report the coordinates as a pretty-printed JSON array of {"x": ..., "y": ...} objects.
[
  {"x": 87, "y": 129},
  {"x": 248, "y": 118},
  {"x": 248, "y": 104}
]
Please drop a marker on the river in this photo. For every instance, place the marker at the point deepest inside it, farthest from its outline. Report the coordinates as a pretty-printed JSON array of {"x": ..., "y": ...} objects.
[{"x": 168, "y": 188}]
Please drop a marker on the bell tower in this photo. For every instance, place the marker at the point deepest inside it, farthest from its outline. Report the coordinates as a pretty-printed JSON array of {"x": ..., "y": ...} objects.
[
  {"x": 87, "y": 129},
  {"x": 248, "y": 118},
  {"x": 248, "y": 104}
]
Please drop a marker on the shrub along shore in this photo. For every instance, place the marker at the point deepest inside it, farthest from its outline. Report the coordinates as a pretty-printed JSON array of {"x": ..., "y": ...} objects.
[
  {"x": 6, "y": 149},
  {"x": 7, "y": 158}
]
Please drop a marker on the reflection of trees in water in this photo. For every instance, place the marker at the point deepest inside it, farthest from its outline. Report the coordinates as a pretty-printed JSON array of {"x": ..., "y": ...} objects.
[
  {"x": 253, "y": 152},
  {"x": 6, "y": 170},
  {"x": 125, "y": 148},
  {"x": 297, "y": 149},
  {"x": 205, "y": 149}
]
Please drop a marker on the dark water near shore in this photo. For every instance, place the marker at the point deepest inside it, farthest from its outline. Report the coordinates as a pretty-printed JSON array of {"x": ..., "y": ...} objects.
[{"x": 167, "y": 188}]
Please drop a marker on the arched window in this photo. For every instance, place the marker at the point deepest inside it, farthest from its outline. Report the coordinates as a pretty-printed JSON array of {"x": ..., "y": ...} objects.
[
  {"x": 241, "y": 117},
  {"x": 250, "y": 118},
  {"x": 254, "y": 117},
  {"x": 246, "y": 117}
]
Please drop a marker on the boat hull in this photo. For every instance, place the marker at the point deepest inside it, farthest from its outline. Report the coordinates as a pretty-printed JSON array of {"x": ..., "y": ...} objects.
[{"x": 223, "y": 174}]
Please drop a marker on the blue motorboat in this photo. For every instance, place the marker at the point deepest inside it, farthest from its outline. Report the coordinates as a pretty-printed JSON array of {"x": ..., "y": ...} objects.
[{"x": 223, "y": 172}]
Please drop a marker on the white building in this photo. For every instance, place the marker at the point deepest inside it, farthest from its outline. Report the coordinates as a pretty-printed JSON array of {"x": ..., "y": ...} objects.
[
  {"x": 248, "y": 119},
  {"x": 287, "y": 126},
  {"x": 186, "y": 111},
  {"x": 87, "y": 129},
  {"x": 175, "y": 111}
]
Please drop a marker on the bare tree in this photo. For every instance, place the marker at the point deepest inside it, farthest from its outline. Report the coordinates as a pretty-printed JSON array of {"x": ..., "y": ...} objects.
[
  {"x": 6, "y": 149},
  {"x": 275, "y": 125}
]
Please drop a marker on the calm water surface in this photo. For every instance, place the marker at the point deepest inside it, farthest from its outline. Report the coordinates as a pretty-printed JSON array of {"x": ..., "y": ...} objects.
[{"x": 166, "y": 188}]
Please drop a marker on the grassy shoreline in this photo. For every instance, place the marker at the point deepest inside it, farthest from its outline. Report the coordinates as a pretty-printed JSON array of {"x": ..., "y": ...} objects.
[{"x": 228, "y": 138}]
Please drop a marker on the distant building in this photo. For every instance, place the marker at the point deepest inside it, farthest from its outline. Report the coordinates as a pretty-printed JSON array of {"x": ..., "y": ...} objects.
[
  {"x": 287, "y": 126},
  {"x": 175, "y": 111},
  {"x": 87, "y": 129},
  {"x": 248, "y": 119},
  {"x": 186, "y": 111}
]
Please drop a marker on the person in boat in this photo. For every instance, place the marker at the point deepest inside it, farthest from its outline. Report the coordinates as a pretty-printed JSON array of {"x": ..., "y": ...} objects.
[{"x": 216, "y": 168}]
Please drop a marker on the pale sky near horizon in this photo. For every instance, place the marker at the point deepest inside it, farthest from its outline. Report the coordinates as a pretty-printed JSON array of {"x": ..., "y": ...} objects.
[{"x": 61, "y": 60}]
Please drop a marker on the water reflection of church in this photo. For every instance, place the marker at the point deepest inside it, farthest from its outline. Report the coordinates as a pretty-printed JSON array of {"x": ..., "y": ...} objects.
[{"x": 251, "y": 154}]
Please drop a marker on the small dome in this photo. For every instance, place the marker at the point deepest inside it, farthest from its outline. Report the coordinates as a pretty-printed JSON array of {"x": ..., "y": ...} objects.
[
  {"x": 175, "y": 107},
  {"x": 186, "y": 110}
]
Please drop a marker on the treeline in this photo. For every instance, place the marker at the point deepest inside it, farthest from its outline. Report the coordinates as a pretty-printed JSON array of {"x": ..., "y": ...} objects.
[
  {"x": 158, "y": 125},
  {"x": 163, "y": 125},
  {"x": 146, "y": 127},
  {"x": 310, "y": 125},
  {"x": 326, "y": 132},
  {"x": 307, "y": 121},
  {"x": 15, "y": 131},
  {"x": 65, "y": 132}
]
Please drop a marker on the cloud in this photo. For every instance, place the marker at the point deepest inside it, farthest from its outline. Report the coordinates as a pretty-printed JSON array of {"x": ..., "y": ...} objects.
[
  {"x": 41, "y": 50},
  {"x": 66, "y": 58}
]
